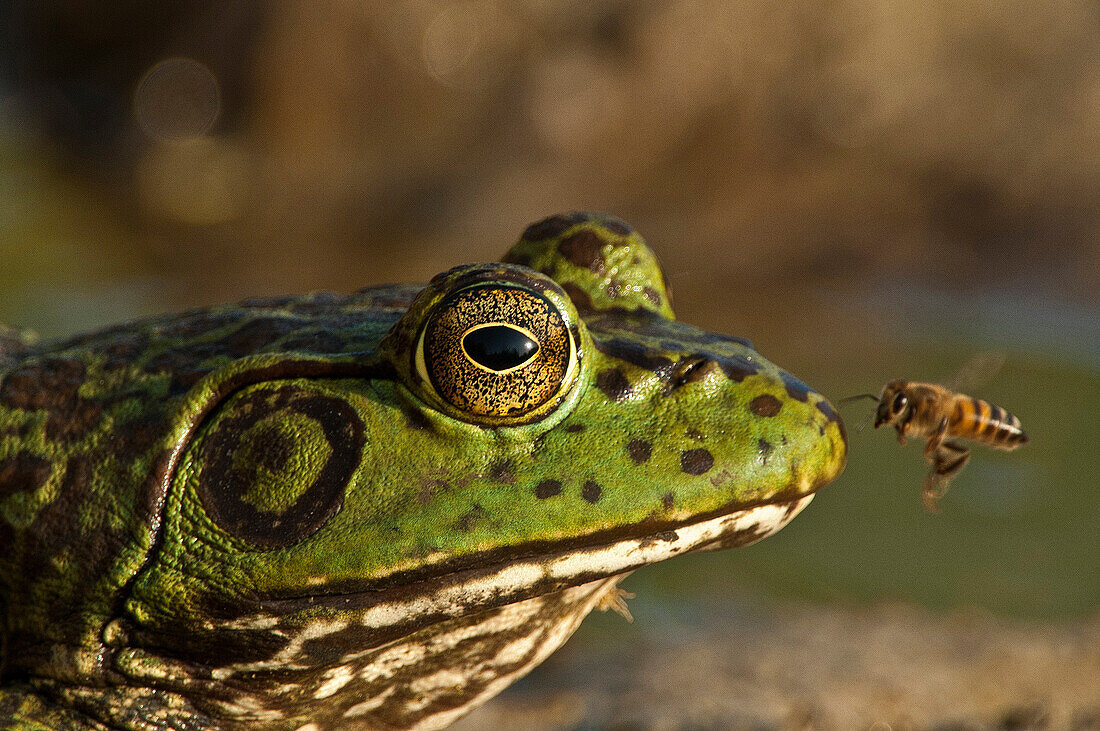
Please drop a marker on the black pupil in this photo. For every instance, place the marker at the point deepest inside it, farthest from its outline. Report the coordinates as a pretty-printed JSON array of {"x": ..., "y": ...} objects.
[
  {"x": 499, "y": 347},
  {"x": 899, "y": 402}
]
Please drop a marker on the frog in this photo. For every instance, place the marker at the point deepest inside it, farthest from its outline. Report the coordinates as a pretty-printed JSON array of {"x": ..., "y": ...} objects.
[{"x": 377, "y": 509}]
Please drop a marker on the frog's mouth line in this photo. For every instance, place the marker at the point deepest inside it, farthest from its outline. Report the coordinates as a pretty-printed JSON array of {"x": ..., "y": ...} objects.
[{"x": 399, "y": 610}]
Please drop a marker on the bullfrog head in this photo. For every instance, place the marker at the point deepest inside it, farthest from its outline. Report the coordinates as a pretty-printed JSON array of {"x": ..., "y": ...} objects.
[{"x": 376, "y": 510}]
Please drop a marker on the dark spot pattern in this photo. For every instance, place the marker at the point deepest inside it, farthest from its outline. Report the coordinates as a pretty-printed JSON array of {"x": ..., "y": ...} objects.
[
  {"x": 22, "y": 472},
  {"x": 763, "y": 450},
  {"x": 636, "y": 354},
  {"x": 614, "y": 384},
  {"x": 547, "y": 488},
  {"x": 826, "y": 408},
  {"x": 639, "y": 450},
  {"x": 668, "y": 500},
  {"x": 575, "y": 428},
  {"x": 553, "y": 226},
  {"x": 255, "y": 334},
  {"x": 315, "y": 342},
  {"x": 737, "y": 368},
  {"x": 50, "y": 383},
  {"x": 469, "y": 521},
  {"x": 652, "y": 295},
  {"x": 765, "y": 405},
  {"x": 696, "y": 461},
  {"x": 503, "y": 472},
  {"x": 591, "y": 491},
  {"x": 522, "y": 258},
  {"x": 617, "y": 226},
  {"x": 78, "y": 422},
  {"x": 580, "y": 298},
  {"x": 430, "y": 489},
  {"x": 796, "y": 389},
  {"x": 583, "y": 249}
]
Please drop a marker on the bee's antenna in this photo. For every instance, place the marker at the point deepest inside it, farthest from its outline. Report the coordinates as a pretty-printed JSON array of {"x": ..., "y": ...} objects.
[
  {"x": 871, "y": 396},
  {"x": 863, "y": 422}
]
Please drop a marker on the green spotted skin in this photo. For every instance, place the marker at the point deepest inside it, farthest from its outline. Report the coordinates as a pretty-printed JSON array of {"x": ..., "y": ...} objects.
[{"x": 265, "y": 515}]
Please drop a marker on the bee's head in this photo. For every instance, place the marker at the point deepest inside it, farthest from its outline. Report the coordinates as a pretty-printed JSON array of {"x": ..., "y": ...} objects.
[{"x": 893, "y": 404}]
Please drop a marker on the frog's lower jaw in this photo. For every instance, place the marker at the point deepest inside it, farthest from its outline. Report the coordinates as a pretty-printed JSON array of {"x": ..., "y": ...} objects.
[{"x": 422, "y": 675}]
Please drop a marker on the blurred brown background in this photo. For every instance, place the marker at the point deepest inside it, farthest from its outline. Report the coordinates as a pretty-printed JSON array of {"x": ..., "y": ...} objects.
[{"x": 866, "y": 189}]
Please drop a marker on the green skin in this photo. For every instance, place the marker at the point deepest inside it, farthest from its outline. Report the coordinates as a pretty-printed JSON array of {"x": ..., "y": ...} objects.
[{"x": 264, "y": 516}]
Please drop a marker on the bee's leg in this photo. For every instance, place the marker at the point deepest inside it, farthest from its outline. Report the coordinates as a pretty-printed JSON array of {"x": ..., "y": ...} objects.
[
  {"x": 935, "y": 440},
  {"x": 901, "y": 433},
  {"x": 947, "y": 459}
]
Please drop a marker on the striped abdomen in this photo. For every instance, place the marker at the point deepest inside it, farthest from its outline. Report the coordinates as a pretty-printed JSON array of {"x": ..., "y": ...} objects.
[{"x": 983, "y": 422}]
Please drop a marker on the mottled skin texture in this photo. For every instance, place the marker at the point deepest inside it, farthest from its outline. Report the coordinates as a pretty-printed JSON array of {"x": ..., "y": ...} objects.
[{"x": 262, "y": 515}]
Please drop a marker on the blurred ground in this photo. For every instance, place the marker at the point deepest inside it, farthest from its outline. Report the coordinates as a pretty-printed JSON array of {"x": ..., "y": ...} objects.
[
  {"x": 866, "y": 189},
  {"x": 810, "y": 667}
]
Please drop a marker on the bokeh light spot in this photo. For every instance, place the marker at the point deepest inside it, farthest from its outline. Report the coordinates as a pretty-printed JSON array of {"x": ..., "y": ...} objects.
[
  {"x": 177, "y": 99},
  {"x": 449, "y": 42}
]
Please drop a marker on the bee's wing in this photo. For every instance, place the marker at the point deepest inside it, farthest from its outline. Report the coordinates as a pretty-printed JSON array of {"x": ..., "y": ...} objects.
[{"x": 979, "y": 370}]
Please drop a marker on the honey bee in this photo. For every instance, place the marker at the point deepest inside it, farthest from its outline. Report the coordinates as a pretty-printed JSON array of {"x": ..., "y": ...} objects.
[{"x": 944, "y": 417}]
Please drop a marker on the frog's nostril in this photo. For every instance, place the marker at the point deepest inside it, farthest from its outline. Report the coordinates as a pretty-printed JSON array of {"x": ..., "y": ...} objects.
[{"x": 687, "y": 370}]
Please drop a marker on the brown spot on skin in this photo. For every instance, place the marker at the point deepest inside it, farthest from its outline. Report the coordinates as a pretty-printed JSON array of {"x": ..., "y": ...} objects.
[
  {"x": 614, "y": 384},
  {"x": 256, "y": 334},
  {"x": 503, "y": 472},
  {"x": 580, "y": 298},
  {"x": 315, "y": 342},
  {"x": 47, "y": 384},
  {"x": 636, "y": 354},
  {"x": 469, "y": 521},
  {"x": 765, "y": 405},
  {"x": 139, "y": 435},
  {"x": 696, "y": 461},
  {"x": 696, "y": 435},
  {"x": 523, "y": 259},
  {"x": 416, "y": 419},
  {"x": 591, "y": 492},
  {"x": 23, "y": 472},
  {"x": 75, "y": 423},
  {"x": 553, "y": 226},
  {"x": 430, "y": 489},
  {"x": 613, "y": 289},
  {"x": 796, "y": 389},
  {"x": 583, "y": 249},
  {"x": 763, "y": 450},
  {"x": 667, "y": 500},
  {"x": 122, "y": 350},
  {"x": 652, "y": 295},
  {"x": 574, "y": 428},
  {"x": 547, "y": 488},
  {"x": 639, "y": 450},
  {"x": 616, "y": 226}
]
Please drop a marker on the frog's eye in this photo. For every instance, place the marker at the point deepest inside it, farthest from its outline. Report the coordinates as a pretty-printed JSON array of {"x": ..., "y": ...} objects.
[
  {"x": 496, "y": 351},
  {"x": 900, "y": 402}
]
